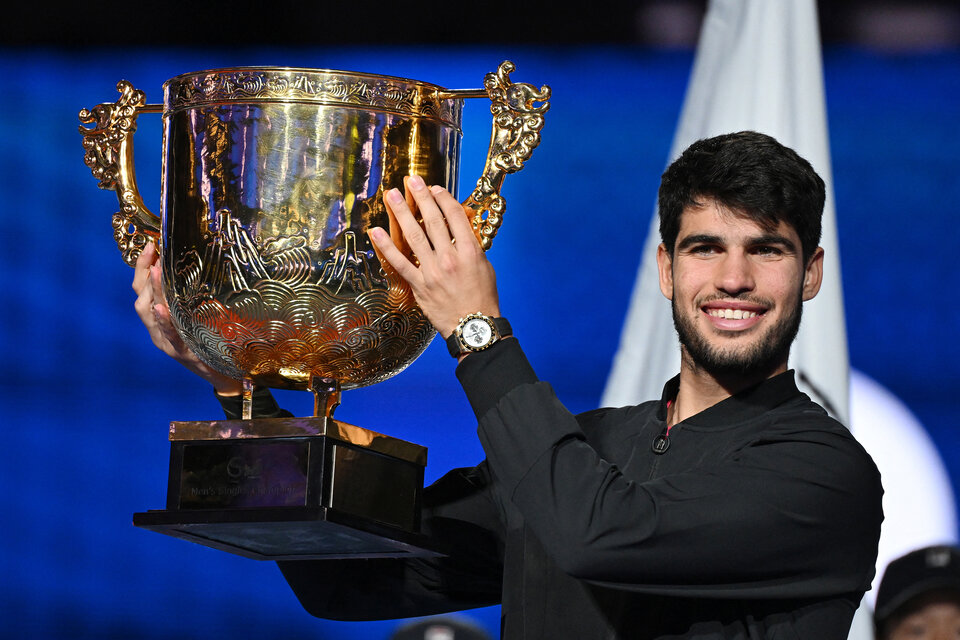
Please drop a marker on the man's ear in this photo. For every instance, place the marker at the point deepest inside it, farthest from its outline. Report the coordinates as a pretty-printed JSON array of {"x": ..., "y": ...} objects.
[
  {"x": 665, "y": 269},
  {"x": 813, "y": 275}
]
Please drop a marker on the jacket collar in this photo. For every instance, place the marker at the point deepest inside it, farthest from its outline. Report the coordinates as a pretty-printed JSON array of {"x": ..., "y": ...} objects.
[{"x": 749, "y": 403}]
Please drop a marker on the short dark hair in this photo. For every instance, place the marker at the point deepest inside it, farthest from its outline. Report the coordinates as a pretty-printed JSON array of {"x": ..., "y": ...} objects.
[{"x": 749, "y": 173}]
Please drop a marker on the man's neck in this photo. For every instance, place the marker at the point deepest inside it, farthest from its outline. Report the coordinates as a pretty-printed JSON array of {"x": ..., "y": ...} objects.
[{"x": 699, "y": 390}]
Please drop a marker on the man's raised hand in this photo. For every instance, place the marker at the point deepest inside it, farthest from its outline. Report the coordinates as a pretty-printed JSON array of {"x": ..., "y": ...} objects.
[{"x": 454, "y": 277}]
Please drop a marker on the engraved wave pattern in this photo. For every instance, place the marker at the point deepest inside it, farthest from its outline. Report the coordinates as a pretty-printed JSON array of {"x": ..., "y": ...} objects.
[
  {"x": 293, "y": 266},
  {"x": 272, "y": 326},
  {"x": 249, "y": 310}
]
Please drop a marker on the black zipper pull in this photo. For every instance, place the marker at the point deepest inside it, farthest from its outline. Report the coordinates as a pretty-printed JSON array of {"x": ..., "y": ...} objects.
[{"x": 661, "y": 443}]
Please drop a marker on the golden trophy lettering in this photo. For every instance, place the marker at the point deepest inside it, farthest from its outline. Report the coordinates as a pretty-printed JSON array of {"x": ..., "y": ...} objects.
[{"x": 271, "y": 179}]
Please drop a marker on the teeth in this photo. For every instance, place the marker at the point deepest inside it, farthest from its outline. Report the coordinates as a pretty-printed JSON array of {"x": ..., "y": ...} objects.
[{"x": 731, "y": 314}]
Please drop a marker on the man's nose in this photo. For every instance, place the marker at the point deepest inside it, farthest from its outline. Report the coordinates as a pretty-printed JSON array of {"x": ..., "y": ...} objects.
[{"x": 735, "y": 274}]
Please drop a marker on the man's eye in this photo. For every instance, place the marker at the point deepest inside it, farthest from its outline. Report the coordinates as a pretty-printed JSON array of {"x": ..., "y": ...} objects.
[
  {"x": 768, "y": 251},
  {"x": 703, "y": 249}
]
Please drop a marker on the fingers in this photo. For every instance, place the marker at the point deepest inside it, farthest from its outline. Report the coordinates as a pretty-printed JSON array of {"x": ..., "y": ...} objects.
[
  {"x": 143, "y": 285},
  {"x": 161, "y": 312},
  {"x": 150, "y": 304},
  {"x": 444, "y": 218},
  {"x": 389, "y": 252},
  {"x": 156, "y": 284},
  {"x": 164, "y": 324},
  {"x": 448, "y": 280},
  {"x": 141, "y": 272},
  {"x": 434, "y": 219},
  {"x": 151, "y": 307},
  {"x": 152, "y": 316},
  {"x": 457, "y": 219},
  {"x": 144, "y": 307},
  {"x": 409, "y": 227}
]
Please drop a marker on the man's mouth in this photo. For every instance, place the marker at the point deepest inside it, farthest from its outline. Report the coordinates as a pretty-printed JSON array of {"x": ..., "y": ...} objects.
[{"x": 731, "y": 314}]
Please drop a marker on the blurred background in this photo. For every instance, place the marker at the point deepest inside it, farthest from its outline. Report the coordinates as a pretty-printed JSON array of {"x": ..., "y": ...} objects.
[{"x": 86, "y": 399}]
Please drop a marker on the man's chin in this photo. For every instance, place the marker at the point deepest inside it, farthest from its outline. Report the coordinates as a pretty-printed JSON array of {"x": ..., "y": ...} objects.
[
  {"x": 756, "y": 357},
  {"x": 739, "y": 366}
]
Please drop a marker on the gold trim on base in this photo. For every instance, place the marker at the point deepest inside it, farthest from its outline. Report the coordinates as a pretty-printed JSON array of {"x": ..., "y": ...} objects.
[{"x": 298, "y": 428}]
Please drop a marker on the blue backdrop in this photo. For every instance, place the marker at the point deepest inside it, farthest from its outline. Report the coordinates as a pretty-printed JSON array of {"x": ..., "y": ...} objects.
[{"x": 86, "y": 399}]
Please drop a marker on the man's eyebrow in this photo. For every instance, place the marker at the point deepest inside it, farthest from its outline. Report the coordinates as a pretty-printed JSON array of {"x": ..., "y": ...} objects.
[
  {"x": 700, "y": 238},
  {"x": 773, "y": 238}
]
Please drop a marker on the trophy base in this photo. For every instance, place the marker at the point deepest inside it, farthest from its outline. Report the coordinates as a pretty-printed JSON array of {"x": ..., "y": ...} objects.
[
  {"x": 293, "y": 488},
  {"x": 288, "y": 533}
]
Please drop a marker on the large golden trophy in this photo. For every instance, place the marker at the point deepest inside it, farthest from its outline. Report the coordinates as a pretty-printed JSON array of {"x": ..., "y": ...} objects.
[{"x": 271, "y": 179}]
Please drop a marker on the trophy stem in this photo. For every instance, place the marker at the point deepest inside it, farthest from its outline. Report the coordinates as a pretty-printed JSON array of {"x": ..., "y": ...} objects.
[
  {"x": 247, "y": 399},
  {"x": 326, "y": 396}
]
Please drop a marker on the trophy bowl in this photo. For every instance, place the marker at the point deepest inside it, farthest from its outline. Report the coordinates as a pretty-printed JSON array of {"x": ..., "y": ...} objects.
[{"x": 271, "y": 179}]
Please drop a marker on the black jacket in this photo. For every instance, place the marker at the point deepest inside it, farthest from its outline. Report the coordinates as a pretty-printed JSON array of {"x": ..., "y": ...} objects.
[{"x": 760, "y": 520}]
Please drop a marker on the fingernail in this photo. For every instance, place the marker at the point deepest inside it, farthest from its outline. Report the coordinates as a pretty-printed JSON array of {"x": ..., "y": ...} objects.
[
  {"x": 416, "y": 182},
  {"x": 376, "y": 234},
  {"x": 394, "y": 196},
  {"x": 436, "y": 189}
]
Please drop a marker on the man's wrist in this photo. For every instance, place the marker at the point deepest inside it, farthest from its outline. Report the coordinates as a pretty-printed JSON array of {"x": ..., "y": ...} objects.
[{"x": 476, "y": 332}]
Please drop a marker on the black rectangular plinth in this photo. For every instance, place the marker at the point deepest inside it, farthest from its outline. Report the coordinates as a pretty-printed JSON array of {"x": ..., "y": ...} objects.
[{"x": 292, "y": 488}]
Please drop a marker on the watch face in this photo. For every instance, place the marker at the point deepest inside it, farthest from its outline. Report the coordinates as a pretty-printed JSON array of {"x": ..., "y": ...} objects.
[{"x": 476, "y": 333}]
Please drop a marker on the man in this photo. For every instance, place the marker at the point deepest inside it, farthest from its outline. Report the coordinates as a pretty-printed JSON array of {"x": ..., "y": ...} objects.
[
  {"x": 734, "y": 507},
  {"x": 919, "y": 596}
]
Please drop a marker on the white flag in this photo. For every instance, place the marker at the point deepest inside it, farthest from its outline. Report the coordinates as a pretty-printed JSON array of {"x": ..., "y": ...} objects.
[{"x": 757, "y": 67}]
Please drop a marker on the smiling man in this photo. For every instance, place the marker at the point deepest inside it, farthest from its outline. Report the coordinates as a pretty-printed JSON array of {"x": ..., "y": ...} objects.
[
  {"x": 740, "y": 222},
  {"x": 732, "y": 507}
]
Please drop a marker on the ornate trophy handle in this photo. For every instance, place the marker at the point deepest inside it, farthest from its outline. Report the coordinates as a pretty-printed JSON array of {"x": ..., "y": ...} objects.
[
  {"x": 109, "y": 154},
  {"x": 516, "y": 133}
]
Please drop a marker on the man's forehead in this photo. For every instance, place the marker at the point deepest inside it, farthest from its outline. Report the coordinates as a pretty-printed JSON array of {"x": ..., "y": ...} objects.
[{"x": 711, "y": 218}]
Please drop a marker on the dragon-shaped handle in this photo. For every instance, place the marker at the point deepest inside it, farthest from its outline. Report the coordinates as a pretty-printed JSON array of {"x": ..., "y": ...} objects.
[
  {"x": 516, "y": 133},
  {"x": 109, "y": 154}
]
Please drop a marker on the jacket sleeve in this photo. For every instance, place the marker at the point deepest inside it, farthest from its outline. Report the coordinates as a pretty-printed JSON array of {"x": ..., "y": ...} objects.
[
  {"x": 458, "y": 514},
  {"x": 794, "y": 515}
]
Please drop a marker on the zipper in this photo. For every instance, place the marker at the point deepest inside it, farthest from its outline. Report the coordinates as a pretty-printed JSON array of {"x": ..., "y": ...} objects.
[{"x": 662, "y": 442}]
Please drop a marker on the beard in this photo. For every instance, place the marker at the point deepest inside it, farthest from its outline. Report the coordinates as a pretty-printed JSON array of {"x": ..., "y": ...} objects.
[{"x": 764, "y": 355}]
